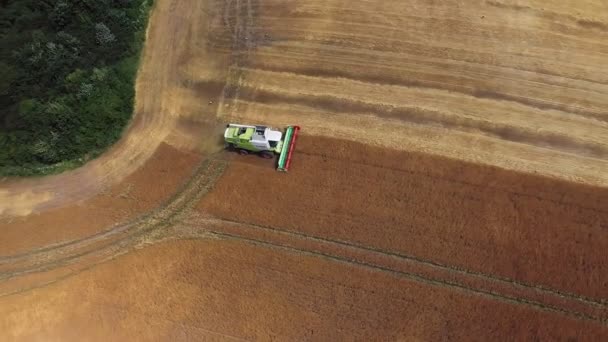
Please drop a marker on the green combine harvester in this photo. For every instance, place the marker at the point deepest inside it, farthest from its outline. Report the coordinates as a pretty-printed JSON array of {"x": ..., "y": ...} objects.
[{"x": 264, "y": 141}]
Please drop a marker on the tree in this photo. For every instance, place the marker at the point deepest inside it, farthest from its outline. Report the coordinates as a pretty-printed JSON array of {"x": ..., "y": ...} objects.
[
  {"x": 67, "y": 69},
  {"x": 60, "y": 15},
  {"x": 103, "y": 34},
  {"x": 7, "y": 76}
]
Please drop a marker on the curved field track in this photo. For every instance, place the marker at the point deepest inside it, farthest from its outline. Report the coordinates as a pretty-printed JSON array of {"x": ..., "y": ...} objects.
[
  {"x": 451, "y": 182},
  {"x": 166, "y": 171}
]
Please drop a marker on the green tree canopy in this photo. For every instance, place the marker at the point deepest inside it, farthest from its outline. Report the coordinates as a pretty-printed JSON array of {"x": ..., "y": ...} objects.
[{"x": 67, "y": 69}]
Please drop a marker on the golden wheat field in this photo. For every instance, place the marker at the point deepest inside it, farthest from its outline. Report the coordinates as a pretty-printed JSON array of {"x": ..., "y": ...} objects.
[{"x": 450, "y": 182}]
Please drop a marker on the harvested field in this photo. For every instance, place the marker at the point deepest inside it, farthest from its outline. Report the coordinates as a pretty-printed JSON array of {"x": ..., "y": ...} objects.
[
  {"x": 521, "y": 86},
  {"x": 231, "y": 290}
]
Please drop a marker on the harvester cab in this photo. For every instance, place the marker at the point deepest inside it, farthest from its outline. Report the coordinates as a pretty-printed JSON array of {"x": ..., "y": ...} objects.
[{"x": 262, "y": 140}]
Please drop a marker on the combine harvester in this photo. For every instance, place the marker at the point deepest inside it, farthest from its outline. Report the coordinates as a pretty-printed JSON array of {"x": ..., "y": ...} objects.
[{"x": 264, "y": 141}]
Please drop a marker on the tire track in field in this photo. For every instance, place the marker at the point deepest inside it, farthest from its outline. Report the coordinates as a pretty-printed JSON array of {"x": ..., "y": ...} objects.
[
  {"x": 378, "y": 260},
  {"x": 183, "y": 196},
  {"x": 412, "y": 268},
  {"x": 543, "y": 289},
  {"x": 38, "y": 266},
  {"x": 238, "y": 18}
]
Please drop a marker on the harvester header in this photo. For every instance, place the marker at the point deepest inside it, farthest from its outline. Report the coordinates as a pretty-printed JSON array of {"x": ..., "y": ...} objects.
[
  {"x": 263, "y": 140},
  {"x": 291, "y": 134}
]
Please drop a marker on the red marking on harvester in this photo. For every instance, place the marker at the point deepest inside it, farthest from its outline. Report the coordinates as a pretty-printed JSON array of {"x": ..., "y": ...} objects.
[{"x": 292, "y": 145}]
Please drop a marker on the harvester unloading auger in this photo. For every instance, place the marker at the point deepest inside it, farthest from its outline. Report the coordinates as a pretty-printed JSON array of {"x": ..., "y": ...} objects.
[{"x": 264, "y": 141}]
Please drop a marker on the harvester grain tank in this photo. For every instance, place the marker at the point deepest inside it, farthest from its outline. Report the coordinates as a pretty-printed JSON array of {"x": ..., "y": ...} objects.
[{"x": 263, "y": 140}]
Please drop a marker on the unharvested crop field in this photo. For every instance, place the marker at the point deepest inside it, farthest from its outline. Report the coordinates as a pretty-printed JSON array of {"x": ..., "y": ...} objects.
[
  {"x": 451, "y": 182},
  {"x": 225, "y": 290},
  {"x": 483, "y": 219}
]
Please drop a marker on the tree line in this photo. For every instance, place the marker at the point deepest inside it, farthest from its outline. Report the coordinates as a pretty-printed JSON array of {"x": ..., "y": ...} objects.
[{"x": 67, "y": 72}]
